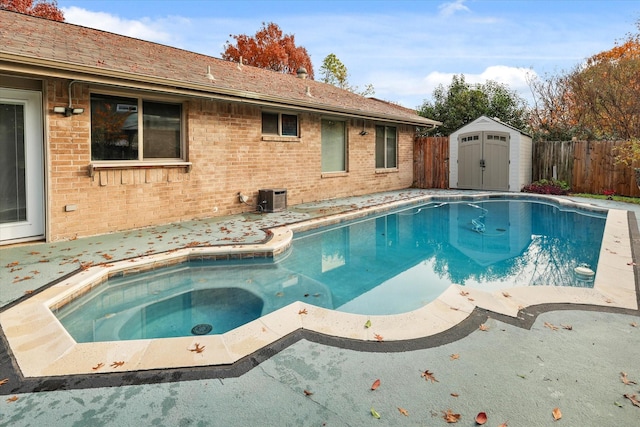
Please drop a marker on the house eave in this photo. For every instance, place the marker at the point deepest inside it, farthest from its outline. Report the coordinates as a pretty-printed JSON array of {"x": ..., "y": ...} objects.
[{"x": 39, "y": 67}]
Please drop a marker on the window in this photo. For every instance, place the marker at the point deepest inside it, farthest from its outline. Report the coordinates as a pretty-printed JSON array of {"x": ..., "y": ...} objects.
[
  {"x": 386, "y": 147},
  {"x": 333, "y": 146},
  {"x": 117, "y": 129},
  {"x": 279, "y": 124}
]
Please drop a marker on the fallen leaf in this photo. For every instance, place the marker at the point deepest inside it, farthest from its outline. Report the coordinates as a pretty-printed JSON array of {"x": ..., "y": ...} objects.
[
  {"x": 454, "y": 356},
  {"x": 556, "y": 414},
  {"x": 378, "y": 337},
  {"x": 303, "y": 311},
  {"x": 4, "y": 381},
  {"x": 506, "y": 295},
  {"x": 107, "y": 256},
  {"x": 481, "y": 418},
  {"x": 367, "y": 324},
  {"x": 633, "y": 324},
  {"x": 307, "y": 392},
  {"x": 567, "y": 327},
  {"x": 12, "y": 264},
  {"x": 550, "y": 326},
  {"x": 625, "y": 380},
  {"x": 12, "y": 399},
  {"x": 631, "y": 263},
  {"x": 374, "y": 413},
  {"x": 117, "y": 364},
  {"x": 428, "y": 376},
  {"x": 454, "y": 395},
  {"x": 375, "y": 384},
  {"x": 633, "y": 399},
  {"x": 403, "y": 411},
  {"x": 197, "y": 348},
  {"x": 450, "y": 417},
  {"x": 98, "y": 366},
  {"x": 483, "y": 327},
  {"x": 454, "y": 308},
  {"x": 464, "y": 293},
  {"x": 618, "y": 404},
  {"x": 504, "y": 424}
]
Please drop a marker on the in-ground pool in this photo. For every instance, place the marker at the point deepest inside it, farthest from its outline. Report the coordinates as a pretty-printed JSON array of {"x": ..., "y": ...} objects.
[{"x": 385, "y": 264}]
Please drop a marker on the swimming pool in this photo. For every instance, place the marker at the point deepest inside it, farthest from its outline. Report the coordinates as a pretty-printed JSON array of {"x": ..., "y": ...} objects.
[{"x": 385, "y": 264}]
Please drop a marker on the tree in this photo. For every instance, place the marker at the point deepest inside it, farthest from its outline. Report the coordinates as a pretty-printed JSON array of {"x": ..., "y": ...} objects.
[
  {"x": 40, "y": 8},
  {"x": 269, "y": 49},
  {"x": 334, "y": 72},
  {"x": 461, "y": 103},
  {"x": 596, "y": 100}
]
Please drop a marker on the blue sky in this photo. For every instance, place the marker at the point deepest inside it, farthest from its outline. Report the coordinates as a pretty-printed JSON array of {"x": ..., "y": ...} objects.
[{"x": 404, "y": 48}]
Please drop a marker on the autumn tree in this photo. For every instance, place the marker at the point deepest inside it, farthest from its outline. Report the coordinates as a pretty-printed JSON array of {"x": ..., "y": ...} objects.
[
  {"x": 462, "y": 102},
  {"x": 269, "y": 48},
  {"x": 596, "y": 100},
  {"x": 40, "y": 8},
  {"x": 334, "y": 72}
]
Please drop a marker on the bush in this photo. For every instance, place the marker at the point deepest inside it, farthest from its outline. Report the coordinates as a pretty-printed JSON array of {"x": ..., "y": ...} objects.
[{"x": 547, "y": 186}]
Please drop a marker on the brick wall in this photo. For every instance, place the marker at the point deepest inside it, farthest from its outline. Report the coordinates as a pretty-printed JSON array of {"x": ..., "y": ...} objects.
[{"x": 225, "y": 145}]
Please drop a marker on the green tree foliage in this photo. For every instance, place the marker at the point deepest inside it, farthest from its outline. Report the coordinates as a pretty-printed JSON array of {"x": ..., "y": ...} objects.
[
  {"x": 462, "y": 102},
  {"x": 334, "y": 72}
]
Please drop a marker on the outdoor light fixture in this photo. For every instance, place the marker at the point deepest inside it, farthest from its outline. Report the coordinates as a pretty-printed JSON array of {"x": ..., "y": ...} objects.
[{"x": 68, "y": 110}]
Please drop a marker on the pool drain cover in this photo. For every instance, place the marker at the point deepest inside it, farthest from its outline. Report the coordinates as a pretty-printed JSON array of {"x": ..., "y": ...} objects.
[{"x": 201, "y": 329}]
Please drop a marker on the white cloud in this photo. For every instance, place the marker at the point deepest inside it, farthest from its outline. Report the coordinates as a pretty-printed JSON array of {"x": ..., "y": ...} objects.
[
  {"x": 448, "y": 9},
  {"x": 144, "y": 29}
]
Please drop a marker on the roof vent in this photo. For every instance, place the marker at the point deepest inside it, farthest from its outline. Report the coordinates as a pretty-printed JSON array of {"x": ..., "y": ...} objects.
[
  {"x": 240, "y": 64},
  {"x": 209, "y": 75},
  {"x": 308, "y": 91},
  {"x": 302, "y": 73}
]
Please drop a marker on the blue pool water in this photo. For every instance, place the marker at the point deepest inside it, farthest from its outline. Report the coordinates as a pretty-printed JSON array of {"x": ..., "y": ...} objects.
[{"x": 387, "y": 264}]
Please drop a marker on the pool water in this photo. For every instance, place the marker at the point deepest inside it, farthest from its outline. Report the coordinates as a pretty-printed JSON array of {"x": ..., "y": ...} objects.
[{"x": 387, "y": 264}]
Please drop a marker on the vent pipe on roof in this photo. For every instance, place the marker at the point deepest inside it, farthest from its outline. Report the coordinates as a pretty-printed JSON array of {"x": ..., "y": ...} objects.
[
  {"x": 209, "y": 75},
  {"x": 308, "y": 91},
  {"x": 302, "y": 73},
  {"x": 240, "y": 64}
]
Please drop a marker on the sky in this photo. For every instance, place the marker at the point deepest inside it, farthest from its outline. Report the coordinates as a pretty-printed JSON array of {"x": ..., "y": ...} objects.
[{"x": 404, "y": 48}]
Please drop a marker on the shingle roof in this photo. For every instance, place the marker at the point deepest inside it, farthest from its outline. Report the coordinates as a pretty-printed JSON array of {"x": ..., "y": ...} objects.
[{"x": 96, "y": 55}]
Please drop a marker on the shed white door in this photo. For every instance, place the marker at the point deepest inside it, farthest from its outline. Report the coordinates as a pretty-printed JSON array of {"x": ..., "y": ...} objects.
[
  {"x": 483, "y": 161},
  {"x": 21, "y": 165}
]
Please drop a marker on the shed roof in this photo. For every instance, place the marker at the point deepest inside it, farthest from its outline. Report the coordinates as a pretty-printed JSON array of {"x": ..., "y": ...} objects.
[
  {"x": 494, "y": 120},
  {"x": 36, "y": 46}
]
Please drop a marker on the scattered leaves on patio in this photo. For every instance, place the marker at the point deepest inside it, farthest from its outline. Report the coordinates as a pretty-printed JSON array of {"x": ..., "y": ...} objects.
[
  {"x": 28, "y": 292},
  {"x": 464, "y": 293},
  {"x": 12, "y": 399},
  {"x": 375, "y": 384},
  {"x": 428, "y": 376},
  {"x": 625, "y": 380},
  {"x": 22, "y": 279},
  {"x": 12, "y": 264},
  {"x": 98, "y": 366},
  {"x": 374, "y": 413},
  {"x": 481, "y": 418},
  {"x": 550, "y": 326},
  {"x": 307, "y": 392},
  {"x": 633, "y": 324},
  {"x": 506, "y": 295},
  {"x": 608, "y": 301},
  {"x": 117, "y": 364},
  {"x": 567, "y": 327},
  {"x": 403, "y": 411},
  {"x": 556, "y": 414},
  {"x": 504, "y": 424},
  {"x": 367, "y": 324},
  {"x": 631, "y": 263},
  {"x": 4, "y": 381},
  {"x": 378, "y": 337},
  {"x": 483, "y": 327},
  {"x": 455, "y": 395},
  {"x": 303, "y": 311},
  {"x": 279, "y": 294},
  {"x": 454, "y": 356},
  {"x": 107, "y": 256},
  {"x": 86, "y": 265},
  {"x": 197, "y": 348},
  {"x": 633, "y": 399},
  {"x": 450, "y": 417}
]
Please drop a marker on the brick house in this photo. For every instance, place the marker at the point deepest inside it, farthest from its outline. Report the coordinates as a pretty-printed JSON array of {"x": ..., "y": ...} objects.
[{"x": 101, "y": 133}]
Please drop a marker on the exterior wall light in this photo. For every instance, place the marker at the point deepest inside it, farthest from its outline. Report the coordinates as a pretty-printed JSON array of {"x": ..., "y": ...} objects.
[{"x": 68, "y": 111}]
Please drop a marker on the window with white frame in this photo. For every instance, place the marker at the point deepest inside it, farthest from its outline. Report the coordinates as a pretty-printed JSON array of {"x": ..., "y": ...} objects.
[
  {"x": 334, "y": 146},
  {"x": 125, "y": 128},
  {"x": 386, "y": 147},
  {"x": 279, "y": 124}
]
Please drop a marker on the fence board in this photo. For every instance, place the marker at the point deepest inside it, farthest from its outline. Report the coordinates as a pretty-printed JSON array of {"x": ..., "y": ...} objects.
[{"x": 431, "y": 162}]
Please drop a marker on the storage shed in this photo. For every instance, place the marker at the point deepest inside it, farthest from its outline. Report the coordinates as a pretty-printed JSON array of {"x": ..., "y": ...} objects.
[{"x": 488, "y": 154}]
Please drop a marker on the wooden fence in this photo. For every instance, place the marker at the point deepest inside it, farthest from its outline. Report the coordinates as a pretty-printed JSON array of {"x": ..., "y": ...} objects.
[{"x": 588, "y": 166}]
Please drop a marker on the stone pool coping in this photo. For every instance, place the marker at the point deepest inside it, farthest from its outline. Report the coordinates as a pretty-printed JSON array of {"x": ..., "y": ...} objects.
[{"x": 42, "y": 347}]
